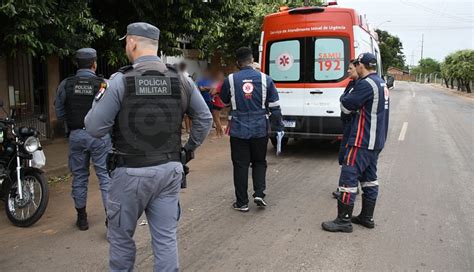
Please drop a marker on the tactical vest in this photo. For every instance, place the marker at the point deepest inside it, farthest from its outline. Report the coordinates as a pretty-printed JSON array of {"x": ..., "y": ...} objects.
[
  {"x": 80, "y": 92},
  {"x": 147, "y": 129}
]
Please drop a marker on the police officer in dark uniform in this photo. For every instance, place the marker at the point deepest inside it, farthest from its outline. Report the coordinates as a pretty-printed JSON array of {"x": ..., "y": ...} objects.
[
  {"x": 252, "y": 96},
  {"x": 144, "y": 106},
  {"x": 74, "y": 99},
  {"x": 369, "y": 101}
]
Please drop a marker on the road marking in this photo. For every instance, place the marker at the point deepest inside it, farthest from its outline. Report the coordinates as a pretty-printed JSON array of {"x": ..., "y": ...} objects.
[{"x": 403, "y": 131}]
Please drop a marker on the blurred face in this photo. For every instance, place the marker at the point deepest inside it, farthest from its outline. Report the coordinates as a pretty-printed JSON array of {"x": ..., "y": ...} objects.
[
  {"x": 360, "y": 69},
  {"x": 220, "y": 76},
  {"x": 352, "y": 71}
]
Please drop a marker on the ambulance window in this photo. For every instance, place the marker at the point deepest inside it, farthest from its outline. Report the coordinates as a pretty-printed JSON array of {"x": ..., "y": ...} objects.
[
  {"x": 329, "y": 63},
  {"x": 284, "y": 60}
]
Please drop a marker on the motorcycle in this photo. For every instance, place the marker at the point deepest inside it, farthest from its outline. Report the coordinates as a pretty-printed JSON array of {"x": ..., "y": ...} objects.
[{"x": 23, "y": 186}]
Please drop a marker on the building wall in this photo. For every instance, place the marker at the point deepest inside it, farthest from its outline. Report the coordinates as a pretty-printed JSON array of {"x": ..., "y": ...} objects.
[{"x": 394, "y": 71}]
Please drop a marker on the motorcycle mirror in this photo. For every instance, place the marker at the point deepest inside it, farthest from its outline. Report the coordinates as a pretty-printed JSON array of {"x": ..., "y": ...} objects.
[{"x": 42, "y": 118}]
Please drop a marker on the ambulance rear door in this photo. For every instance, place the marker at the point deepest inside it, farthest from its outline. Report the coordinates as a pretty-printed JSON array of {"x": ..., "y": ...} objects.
[{"x": 327, "y": 62}]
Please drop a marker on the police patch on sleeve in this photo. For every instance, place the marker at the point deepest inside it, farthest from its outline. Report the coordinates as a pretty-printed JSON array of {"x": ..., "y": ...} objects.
[
  {"x": 152, "y": 85},
  {"x": 101, "y": 92}
]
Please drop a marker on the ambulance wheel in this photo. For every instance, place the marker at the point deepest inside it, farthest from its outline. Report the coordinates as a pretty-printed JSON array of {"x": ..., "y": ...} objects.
[{"x": 284, "y": 142}]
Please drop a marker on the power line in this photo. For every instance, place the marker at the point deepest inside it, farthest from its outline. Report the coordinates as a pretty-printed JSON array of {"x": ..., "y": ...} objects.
[
  {"x": 437, "y": 29},
  {"x": 430, "y": 10}
]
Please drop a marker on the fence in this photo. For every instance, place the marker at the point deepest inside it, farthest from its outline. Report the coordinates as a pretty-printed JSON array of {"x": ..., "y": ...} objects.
[
  {"x": 68, "y": 68},
  {"x": 27, "y": 91},
  {"x": 436, "y": 79}
]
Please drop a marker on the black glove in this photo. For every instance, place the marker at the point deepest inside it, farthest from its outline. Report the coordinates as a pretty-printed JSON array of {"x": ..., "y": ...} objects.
[
  {"x": 186, "y": 155},
  {"x": 276, "y": 121},
  {"x": 186, "y": 169}
]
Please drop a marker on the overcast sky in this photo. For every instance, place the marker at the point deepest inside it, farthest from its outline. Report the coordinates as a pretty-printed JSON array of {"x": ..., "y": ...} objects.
[{"x": 447, "y": 25}]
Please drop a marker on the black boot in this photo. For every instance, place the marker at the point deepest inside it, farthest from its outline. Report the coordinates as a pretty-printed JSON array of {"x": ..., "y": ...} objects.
[
  {"x": 343, "y": 221},
  {"x": 81, "y": 222},
  {"x": 366, "y": 216}
]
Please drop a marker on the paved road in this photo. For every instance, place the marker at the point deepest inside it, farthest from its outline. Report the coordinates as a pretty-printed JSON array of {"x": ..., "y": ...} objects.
[{"x": 424, "y": 217}]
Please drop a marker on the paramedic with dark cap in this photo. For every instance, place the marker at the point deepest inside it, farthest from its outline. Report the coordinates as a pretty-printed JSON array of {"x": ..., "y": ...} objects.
[
  {"x": 73, "y": 100},
  {"x": 144, "y": 106},
  {"x": 252, "y": 96},
  {"x": 369, "y": 101}
]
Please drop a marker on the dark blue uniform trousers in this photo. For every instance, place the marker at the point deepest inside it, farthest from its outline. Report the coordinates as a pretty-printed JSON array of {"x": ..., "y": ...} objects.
[
  {"x": 359, "y": 165},
  {"x": 83, "y": 147},
  {"x": 346, "y": 131}
]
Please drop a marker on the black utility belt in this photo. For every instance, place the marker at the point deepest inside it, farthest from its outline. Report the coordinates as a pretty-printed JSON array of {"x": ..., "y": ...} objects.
[{"x": 137, "y": 161}]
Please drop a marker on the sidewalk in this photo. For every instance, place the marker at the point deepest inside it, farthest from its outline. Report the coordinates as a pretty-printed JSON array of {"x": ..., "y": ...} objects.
[{"x": 452, "y": 91}]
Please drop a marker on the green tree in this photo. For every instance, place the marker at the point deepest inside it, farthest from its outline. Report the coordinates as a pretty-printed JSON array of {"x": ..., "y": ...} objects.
[
  {"x": 60, "y": 26},
  {"x": 459, "y": 66},
  {"x": 429, "y": 66},
  {"x": 46, "y": 27},
  {"x": 238, "y": 24},
  {"x": 447, "y": 71},
  {"x": 464, "y": 65},
  {"x": 391, "y": 50},
  {"x": 215, "y": 27}
]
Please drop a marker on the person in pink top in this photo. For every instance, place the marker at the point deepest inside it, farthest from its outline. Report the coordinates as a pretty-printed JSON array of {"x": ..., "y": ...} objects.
[{"x": 217, "y": 104}]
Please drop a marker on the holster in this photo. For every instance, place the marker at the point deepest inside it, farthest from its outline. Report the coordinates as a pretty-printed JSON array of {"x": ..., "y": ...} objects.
[
  {"x": 185, "y": 168},
  {"x": 111, "y": 162}
]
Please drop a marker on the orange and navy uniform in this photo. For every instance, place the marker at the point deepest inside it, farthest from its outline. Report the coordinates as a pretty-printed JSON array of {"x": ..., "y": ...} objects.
[{"x": 370, "y": 102}]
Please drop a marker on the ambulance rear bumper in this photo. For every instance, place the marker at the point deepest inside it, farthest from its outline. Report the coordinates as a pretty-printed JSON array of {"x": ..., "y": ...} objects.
[{"x": 312, "y": 127}]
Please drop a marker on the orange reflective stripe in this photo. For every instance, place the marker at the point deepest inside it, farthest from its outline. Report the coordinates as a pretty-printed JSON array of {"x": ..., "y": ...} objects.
[
  {"x": 354, "y": 156},
  {"x": 349, "y": 156}
]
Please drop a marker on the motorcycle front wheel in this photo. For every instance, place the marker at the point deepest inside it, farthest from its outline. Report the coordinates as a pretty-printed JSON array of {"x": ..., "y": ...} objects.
[{"x": 28, "y": 210}]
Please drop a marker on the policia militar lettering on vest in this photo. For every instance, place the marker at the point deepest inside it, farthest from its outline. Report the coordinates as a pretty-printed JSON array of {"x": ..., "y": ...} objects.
[
  {"x": 152, "y": 85},
  {"x": 80, "y": 92},
  {"x": 147, "y": 129}
]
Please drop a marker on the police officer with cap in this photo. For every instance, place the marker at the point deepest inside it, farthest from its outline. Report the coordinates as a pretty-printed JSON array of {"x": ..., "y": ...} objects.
[
  {"x": 144, "y": 106},
  {"x": 73, "y": 100},
  {"x": 252, "y": 96},
  {"x": 369, "y": 102}
]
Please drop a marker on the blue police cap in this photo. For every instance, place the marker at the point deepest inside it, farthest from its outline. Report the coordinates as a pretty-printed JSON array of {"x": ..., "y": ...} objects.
[
  {"x": 368, "y": 59},
  {"x": 86, "y": 54},
  {"x": 144, "y": 30}
]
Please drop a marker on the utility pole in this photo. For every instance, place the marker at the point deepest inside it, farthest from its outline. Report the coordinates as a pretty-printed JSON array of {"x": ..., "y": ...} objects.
[
  {"x": 422, "y": 40},
  {"x": 412, "y": 62}
]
